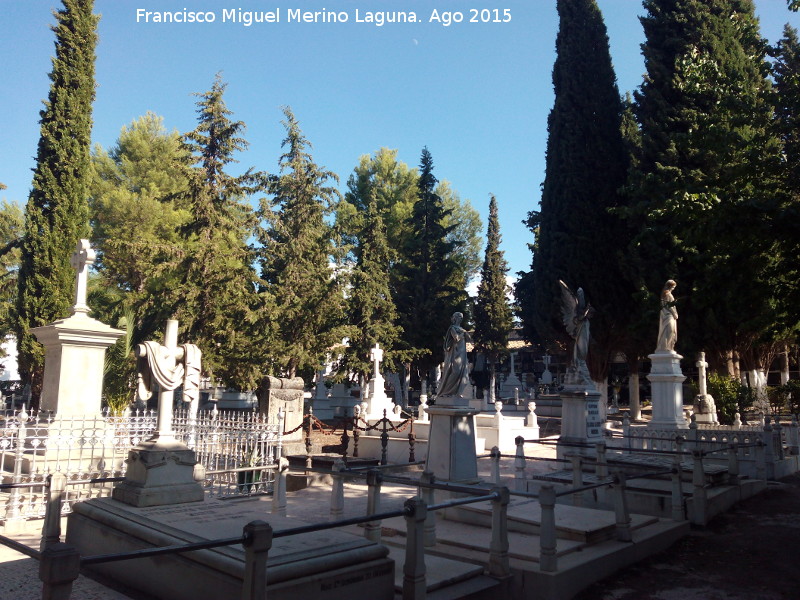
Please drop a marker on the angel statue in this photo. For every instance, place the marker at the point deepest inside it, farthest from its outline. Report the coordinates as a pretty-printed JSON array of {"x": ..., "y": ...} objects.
[{"x": 575, "y": 313}]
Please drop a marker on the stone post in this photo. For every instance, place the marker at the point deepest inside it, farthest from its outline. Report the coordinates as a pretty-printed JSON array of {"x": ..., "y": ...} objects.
[
  {"x": 337, "y": 490},
  {"x": 519, "y": 465},
  {"x": 699, "y": 495},
  {"x": 14, "y": 519},
  {"x": 372, "y": 530},
  {"x": 414, "y": 581},
  {"x": 428, "y": 495},
  {"x": 257, "y": 543},
  {"x": 733, "y": 464},
  {"x": 633, "y": 395},
  {"x": 601, "y": 468},
  {"x": 51, "y": 531},
  {"x": 494, "y": 457},
  {"x": 769, "y": 449},
  {"x": 279, "y": 491},
  {"x": 59, "y": 567},
  {"x": 577, "y": 478},
  {"x": 793, "y": 438},
  {"x": 499, "y": 565},
  {"x": 532, "y": 422},
  {"x": 623, "y": 517},
  {"x": 677, "y": 485},
  {"x": 548, "y": 560}
]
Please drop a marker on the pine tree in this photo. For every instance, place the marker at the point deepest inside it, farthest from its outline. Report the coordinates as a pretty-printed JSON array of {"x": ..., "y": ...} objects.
[
  {"x": 57, "y": 214},
  {"x": 215, "y": 298},
  {"x": 296, "y": 257},
  {"x": 371, "y": 311},
  {"x": 428, "y": 285},
  {"x": 137, "y": 204},
  {"x": 493, "y": 318},
  {"x": 705, "y": 179},
  {"x": 577, "y": 237}
]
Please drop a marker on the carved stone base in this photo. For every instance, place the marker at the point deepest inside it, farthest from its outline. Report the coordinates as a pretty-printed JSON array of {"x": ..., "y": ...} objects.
[
  {"x": 581, "y": 422},
  {"x": 451, "y": 445},
  {"x": 666, "y": 383},
  {"x": 159, "y": 474}
]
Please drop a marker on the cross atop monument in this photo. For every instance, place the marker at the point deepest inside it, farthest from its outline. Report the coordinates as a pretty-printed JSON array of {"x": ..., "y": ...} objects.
[
  {"x": 376, "y": 356},
  {"x": 701, "y": 365},
  {"x": 81, "y": 260}
]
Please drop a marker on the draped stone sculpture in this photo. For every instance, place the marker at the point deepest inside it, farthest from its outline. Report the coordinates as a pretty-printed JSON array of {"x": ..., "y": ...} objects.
[
  {"x": 455, "y": 372},
  {"x": 575, "y": 314}
]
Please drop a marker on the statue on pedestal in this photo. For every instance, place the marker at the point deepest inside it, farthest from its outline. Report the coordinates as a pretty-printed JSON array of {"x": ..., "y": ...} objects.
[
  {"x": 575, "y": 314},
  {"x": 668, "y": 319},
  {"x": 455, "y": 372}
]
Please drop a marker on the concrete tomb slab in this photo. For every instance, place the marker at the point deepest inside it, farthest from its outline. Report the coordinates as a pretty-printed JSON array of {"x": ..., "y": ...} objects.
[{"x": 325, "y": 565}]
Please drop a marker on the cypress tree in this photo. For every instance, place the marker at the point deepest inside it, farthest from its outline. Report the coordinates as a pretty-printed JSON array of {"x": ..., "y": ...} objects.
[
  {"x": 577, "y": 237},
  {"x": 493, "y": 318},
  {"x": 296, "y": 256},
  {"x": 705, "y": 180},
  {"x": 57, "y": 214},
  {"x": 428, "y": 286}
]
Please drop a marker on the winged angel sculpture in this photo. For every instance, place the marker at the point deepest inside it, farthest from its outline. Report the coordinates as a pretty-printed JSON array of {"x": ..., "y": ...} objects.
[{"x": 575, "y": 313}]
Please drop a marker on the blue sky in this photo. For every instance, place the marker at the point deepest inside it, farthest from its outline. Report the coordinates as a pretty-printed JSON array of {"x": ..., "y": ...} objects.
[{"x": 477, "y": 94}]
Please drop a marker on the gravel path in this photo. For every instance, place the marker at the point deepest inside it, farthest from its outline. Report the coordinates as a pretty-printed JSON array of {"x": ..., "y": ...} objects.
[{"x": 748, "y": 553}]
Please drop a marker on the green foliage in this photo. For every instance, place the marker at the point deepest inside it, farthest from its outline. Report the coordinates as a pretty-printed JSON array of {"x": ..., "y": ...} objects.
[
  {"x": 302, "y": 298},
  {"x": 578, "y": 238},
  {"x": 705, "y": 181},
  {"x": 137, "y": 206},
  {"x": 394, "y": 185},
  {"x": 119, "y": 369},
  {"x": 56, "y": 215},
  {"x": 215, "y": 296},
  {"x": 371, "y": 313},
  {"x": 12, "y": 225},
  {"x": 730, "y": 396},
  {"x": 493, "y": 317},
  {"x": 792, "y": 388},
  {"x": 428, "y": 283}
]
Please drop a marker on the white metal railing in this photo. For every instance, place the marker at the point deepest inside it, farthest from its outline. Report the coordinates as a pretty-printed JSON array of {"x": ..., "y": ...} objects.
[{"x": 34, "y": 446}]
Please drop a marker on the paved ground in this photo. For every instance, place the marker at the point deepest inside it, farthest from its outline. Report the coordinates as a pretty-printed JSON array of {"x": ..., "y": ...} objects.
[{"x": 749, "y": 553}]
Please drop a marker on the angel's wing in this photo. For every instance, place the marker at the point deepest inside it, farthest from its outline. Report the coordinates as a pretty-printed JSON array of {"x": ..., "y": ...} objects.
[{"x": 569, "y": 304}]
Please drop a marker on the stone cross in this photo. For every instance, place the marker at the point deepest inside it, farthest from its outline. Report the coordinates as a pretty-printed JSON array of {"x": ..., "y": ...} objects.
[
  {"x": 546, "y": 360},
  {"x": 701, "y": 365},
  {"x": 81, "y": 260},
  {"x": 376, "y": 356},
  {"x": 168, "y": 358}
]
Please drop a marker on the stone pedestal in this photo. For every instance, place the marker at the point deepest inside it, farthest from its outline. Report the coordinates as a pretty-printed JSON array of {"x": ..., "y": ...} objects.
[
  {"x": 74, "y": 354},
  {"x": 666, "y": 382},
  {"x": 581, "y": 422},
  {"x": 451, "y": 445},
  {"x": 285, "y": 396},
  {"x": 378, "y": 401},
  {"x": 160, "y": 473}
]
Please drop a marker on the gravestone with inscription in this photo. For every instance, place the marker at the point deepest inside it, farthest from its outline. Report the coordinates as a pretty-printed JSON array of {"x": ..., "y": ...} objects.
[{"x": 284, "y": 395}]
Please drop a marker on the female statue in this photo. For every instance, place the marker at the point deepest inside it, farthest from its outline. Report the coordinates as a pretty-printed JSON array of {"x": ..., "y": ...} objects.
[
  {"x": 668, "y": 320},
  {"x": 455, "y": 372}
]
